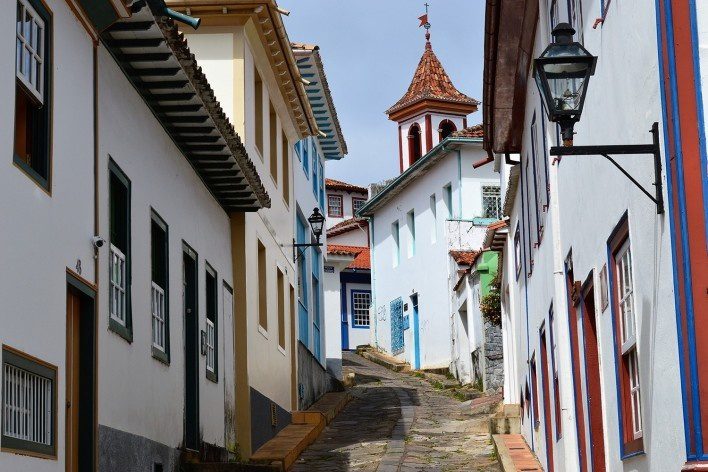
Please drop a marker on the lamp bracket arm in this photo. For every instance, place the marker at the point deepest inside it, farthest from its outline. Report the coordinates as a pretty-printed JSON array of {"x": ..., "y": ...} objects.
[{"x": 653, "y": 149}]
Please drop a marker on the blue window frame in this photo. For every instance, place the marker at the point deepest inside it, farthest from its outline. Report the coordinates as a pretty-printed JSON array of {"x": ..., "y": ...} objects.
[
  {"x": 302, "y": 285},
  {"x": 315, "y": 176},
  {"x": 298, "y": 150},
  {"x": 316, "y": 257},
  {"x": 360, "y": 303},
  {"x": 306, "y": 156},
  {"x": 322, "y": 192}
]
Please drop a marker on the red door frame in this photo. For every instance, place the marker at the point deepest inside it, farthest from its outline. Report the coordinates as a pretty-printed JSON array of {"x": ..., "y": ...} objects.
[
  {"x": 575, "y": 358},
  {"x": 593, "y": 388},
  {"x": 547, "y": 420}
]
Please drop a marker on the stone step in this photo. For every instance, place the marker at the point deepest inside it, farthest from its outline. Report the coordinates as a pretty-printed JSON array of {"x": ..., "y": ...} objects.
[
  {"x": 229, "y": 467},
  {"x": 514, "y": 454},
  {"x": 288, "y": 444},
  {"x": 500, "y": 424},
  {"x": 387, "y": 361}
]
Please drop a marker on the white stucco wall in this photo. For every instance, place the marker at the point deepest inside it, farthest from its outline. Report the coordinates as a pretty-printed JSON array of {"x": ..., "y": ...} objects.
[
  {"x": 47, "y": 234},
  {"x": 588, "y": 198},
  {"x": 230, "y": 54},
  {"x": 430, "y": 262},
  {"x": 151, "y": 403}
]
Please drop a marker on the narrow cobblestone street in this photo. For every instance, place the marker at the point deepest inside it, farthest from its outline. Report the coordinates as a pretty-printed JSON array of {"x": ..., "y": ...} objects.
[{"x": 397, "y": 422}]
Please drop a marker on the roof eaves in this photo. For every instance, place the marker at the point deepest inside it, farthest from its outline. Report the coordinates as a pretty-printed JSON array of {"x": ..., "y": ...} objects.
[{"x": 374, "y": 203}]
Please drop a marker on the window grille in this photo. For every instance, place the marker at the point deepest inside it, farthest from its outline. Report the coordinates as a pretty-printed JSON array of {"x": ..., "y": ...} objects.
[
  {"x": 27, "y": 406},
  {"x": 118, "y": 285},
  {"x": 29, "y": 52},
  {"x": 357, "y": 204},
  {"x": 158, "y": 317},
  {"x": 210, "y": 338},
  {"x": 360, "y": 308},
  {"x": 334, "y": 204},
  {"x": 491, "y": 201}
]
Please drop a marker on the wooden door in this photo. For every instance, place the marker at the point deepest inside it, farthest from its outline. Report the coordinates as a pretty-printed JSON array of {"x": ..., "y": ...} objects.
[
  {"x": 547, "y": 423},
  {"x": 594, "y": 392},
  {"x": 73, "y": 362}
]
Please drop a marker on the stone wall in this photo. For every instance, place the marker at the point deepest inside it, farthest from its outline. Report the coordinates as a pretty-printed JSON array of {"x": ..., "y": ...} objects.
[
  {"x": 493, "y": 358},
  {"x": 313, "y": 380}
]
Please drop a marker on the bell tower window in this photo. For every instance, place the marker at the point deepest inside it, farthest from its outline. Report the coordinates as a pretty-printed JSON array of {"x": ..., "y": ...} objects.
[
  {"x": 447, "y": 127},
  {"x": 415, "y": 149}
]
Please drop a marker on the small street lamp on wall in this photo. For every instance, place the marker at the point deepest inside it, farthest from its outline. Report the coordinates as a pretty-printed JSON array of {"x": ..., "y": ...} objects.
[
  {"x": 562, "y": 73},
  {"x": 316, "y": 221}
]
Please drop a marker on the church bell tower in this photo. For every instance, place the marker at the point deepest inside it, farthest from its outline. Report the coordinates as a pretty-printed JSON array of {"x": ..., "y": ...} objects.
[{"x": 431, "y": 109}]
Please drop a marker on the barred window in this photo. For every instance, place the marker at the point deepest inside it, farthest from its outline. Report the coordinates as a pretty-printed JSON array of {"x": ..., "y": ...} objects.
[
  {"x": 491, "y": 201},
  {"x": 334, "y": 206},
  {"x": 357, "y": 204},
  {"x": 28, "y": 404},
  {"x": 361, "y": 301}
]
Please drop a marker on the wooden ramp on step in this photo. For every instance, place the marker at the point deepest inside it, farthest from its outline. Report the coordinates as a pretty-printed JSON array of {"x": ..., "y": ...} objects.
[
  {"x": 514, "y": 454},
  {"x": 289, "y": 443}
]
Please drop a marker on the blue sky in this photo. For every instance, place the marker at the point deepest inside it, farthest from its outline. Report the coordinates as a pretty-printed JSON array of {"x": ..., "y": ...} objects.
[{"x": 370, "y": 49}]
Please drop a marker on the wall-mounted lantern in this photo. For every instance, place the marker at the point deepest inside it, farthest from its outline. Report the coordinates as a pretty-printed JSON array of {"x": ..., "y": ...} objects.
[
  {"x": 316, "y": 221},
  {"x": 562, "y": 74}
]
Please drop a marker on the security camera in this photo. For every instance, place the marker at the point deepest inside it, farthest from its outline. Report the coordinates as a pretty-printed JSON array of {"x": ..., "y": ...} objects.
[{"x": 98, "y": 242}]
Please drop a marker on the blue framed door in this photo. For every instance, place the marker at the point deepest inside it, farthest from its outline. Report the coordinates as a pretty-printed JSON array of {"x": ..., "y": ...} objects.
[
  {"x": 416, "y": 333},
  {"x": 344, "y": 317},
  {"x": 397, "y": 342}
]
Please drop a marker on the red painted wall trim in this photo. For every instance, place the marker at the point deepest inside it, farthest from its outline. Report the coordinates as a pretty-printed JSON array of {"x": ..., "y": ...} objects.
[
  {"x": 574, "y": 346},
  {"x": 547, "y": 420},
  {"x": 400, "y": 148},
  {"x": 428, "y": 134},
  {"x": 594, "y": 391}
]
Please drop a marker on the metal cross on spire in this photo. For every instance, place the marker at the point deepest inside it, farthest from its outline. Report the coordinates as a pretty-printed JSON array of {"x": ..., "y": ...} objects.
[{"x": 425, "y": 23}]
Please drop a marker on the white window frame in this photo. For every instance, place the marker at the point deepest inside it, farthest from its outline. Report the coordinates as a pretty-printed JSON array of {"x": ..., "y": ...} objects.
[
  {"x": 210, "y": 351},
  {"x": 118, "y": 286},
  {"x": 624, "y": 281},
  {"x": 158, "y": 318},
  {"x": 357, "y": 204},
  {"x": 360, "y": 310},
  {"x": 31, "y": 48},
  {"x": 625, "y": 297},
  {"x": 340, "y": 205},
  {"x": 485, "y": 195}
]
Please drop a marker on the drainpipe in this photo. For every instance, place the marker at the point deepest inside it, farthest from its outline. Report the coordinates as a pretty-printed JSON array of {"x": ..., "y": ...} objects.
[
  {"x": 459, "y": 180},
  {"x": 373, "y": 278},
  {"x": 96, "y": 301}
]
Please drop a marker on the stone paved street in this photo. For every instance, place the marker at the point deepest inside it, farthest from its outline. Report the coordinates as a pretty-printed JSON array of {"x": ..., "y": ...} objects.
[{"x": 397, "y": 422}]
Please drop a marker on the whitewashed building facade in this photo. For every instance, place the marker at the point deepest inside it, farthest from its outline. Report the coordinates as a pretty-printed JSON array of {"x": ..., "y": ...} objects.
[
  {"x": 434, "y": 206},
  {"x": 599, "y": 328}
]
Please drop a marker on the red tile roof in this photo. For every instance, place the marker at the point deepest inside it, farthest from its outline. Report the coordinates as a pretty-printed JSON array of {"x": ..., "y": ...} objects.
[
  {"x": 465, "y": 257},
  {"x": 430, "y": 81},
  {"x": 476, "y": 131},
  {"x": 493, "y": 240},
  {"x": 346, "y": 226},
  {"x": 361, "y": 254},
  {"x": 332, "y": 184},
  {"x": 362, "y": 260}
]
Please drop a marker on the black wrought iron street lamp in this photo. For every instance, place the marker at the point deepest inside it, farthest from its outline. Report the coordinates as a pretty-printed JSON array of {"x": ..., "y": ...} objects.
[
  {"x": 316, "y": 221},
  {"x": 562, "y": 74}
]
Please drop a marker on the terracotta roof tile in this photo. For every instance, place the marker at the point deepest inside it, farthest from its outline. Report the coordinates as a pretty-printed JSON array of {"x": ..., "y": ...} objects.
[
  {"x": 361, "y": 254},
  {"x": 476, "y": 131},
  {"x": 465, "y": 257},
  {"x": 346, "y": 226},
  {"x": 362, "y": 260},
  {"x": 339, "y": 185},
  {"x": 430, "y": 81}
]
